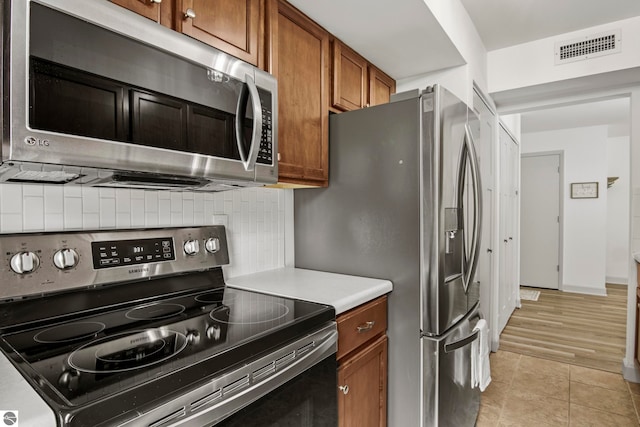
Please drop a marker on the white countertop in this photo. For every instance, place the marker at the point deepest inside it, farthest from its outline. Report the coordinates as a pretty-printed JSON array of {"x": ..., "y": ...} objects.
[{"x": 341, "y": 291}]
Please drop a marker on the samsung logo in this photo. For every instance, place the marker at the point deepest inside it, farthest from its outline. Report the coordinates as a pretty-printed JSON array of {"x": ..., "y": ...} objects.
[{"x": 139, "y": 270}]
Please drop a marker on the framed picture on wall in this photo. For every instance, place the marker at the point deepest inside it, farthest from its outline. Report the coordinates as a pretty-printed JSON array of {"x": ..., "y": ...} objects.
[{"x": 584, "y": 190}]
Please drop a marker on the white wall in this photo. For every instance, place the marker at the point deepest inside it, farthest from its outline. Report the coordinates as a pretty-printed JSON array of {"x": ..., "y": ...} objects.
[
  {"x": 533, "y": 63},
  {"x": 255, "y": 217},
  {"x": 617, "y": 266},
  {"x": 456, "y": 23},
  {"x": 585, "y": 220}
]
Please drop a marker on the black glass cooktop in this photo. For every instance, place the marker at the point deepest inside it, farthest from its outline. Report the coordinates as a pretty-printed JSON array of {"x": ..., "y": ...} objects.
[{"x": 170, "y": 342}]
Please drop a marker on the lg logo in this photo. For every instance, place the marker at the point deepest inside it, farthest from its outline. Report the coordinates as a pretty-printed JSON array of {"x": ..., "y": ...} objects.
[{"x": 32, "y": 140}]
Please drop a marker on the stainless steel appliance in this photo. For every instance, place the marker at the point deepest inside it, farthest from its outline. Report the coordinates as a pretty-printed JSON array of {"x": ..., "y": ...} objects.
[
  {"x": 94, "y": 94},
  {"x": 137, "y": 328},
  {"x": 403, "y": 204}
]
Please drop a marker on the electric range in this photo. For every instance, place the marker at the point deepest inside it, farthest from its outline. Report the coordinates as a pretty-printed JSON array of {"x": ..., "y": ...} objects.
[{"x": 137, "y": 327}]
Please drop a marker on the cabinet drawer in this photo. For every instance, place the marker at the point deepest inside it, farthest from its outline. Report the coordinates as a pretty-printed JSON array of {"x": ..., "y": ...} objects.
[{"x": 361, "y": 324}]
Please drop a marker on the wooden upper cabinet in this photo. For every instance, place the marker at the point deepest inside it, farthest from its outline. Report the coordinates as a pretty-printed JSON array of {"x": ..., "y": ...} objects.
[
  {"x": 349, "y": 83},
  {"x": 300, "y": 61},
  {"x": 356, "y": 83},
  {"x": 232, "y": 26},
  {"x": 381, "y": 86},
  {"x": 156, "y": 10}
]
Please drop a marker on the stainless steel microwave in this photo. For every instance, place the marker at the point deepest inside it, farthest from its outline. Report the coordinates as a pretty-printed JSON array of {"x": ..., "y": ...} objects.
[{"x": 94, "y": 94}]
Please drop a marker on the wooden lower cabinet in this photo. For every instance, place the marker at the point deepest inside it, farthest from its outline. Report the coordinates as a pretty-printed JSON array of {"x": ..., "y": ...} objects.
[
  {"x": 362, "y": 365},
  {"x": 362, "y": 380}
]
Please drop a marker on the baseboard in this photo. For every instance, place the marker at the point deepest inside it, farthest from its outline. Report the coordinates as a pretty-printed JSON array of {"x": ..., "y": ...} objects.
[
  {"x": 630, "y": 372},
  {"x": 584, "y": 290},
  {"x": 617, "y": 280}
]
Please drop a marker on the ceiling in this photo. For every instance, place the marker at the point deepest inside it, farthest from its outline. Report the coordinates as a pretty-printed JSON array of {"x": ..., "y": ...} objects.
[
  {"x": 503, "y": 23},
  {"x": 404, "y": 39},
  {"x": 611, "y": 112}
]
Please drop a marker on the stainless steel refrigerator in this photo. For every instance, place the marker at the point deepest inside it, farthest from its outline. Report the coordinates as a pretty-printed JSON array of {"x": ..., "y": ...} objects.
[{"x": 403, "y": 204}]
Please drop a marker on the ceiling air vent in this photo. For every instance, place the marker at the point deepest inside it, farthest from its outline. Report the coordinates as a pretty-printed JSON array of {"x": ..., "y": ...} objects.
[{"x": 588, "y": 47}]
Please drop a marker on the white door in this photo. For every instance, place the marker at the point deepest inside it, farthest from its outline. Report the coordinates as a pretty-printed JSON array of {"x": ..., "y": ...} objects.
[
  {"x": 540, "y": 231},
  {"x": 508, "y": 270},
  {"x": 486, "y": 137}
]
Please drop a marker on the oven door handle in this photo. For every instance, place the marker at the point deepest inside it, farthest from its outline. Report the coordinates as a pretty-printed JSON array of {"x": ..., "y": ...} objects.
[
  {"x": 222, "y": 396},
  {"x": 249, "y": 91}
]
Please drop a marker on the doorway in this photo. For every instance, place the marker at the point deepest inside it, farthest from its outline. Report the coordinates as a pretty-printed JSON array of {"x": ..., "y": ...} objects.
[{"x": 541, "y": 218}]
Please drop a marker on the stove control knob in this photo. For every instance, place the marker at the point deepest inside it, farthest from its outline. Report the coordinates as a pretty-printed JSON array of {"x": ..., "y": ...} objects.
[
  {"x": 212, "y": 245},
  {"x": 191, "y": 247},
  {"x": 193, "y": 337},
  {"x": 65, "y": 259},
  {"x": 24, "y": 262},
  {"x": 69, "y": 379},
  {"x": 214, "y": 332}
]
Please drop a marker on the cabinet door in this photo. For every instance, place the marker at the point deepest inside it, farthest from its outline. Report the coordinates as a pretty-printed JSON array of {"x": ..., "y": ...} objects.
[
  {"x": 364, "y": 402},
  {"x": 350, "y": 83},
  {"x": 381, "y": 87},
  {"x": 232, "y": 26},
  {"x": 155, "y": 10},
  {"x": 300, "y": 50}
]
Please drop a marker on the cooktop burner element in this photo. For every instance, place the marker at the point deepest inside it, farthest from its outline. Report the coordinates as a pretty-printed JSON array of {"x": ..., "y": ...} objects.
[
  {"x": 214, "y": 296},
  {"x": 155, "y": 311},
  {"x": 127, "y": 351},
  {"x": 252, "y": 312},
  {"x": 68, "y": 332}
]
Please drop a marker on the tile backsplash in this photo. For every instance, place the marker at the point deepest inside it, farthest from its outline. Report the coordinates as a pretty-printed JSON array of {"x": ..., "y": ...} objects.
[{"x": 255, "y": 217}]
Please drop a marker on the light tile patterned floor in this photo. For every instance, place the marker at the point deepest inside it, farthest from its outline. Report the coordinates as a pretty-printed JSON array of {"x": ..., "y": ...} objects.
[{"x": 529, "y": 391}]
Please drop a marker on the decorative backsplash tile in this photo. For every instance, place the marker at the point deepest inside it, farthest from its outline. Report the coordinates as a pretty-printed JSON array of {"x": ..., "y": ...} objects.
[{"x": 255, "y": 217}]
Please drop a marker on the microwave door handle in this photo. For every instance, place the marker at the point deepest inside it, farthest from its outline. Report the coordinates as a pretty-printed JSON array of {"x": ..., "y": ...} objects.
[
  {"x": 249, "y": 159},
  {"x": 477, "y": 198}
]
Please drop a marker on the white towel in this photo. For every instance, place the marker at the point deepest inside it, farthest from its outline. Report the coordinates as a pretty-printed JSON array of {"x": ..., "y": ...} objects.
[{"x": 480, "y": 369}]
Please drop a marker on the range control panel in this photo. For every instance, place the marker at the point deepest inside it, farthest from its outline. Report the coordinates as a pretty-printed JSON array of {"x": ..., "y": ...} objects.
[
  {"x": 39, "y": 263},
  {"x": 115, "y": 253}
]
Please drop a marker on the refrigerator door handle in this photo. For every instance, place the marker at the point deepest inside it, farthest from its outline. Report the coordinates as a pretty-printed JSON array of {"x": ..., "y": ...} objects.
[
  {"x": 450, "y": 347},
  {"x": 470, "y": 155}
]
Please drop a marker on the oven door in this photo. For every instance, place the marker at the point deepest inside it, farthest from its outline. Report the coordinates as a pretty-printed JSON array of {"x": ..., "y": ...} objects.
[
  {"x": 293, "y": 385},
  {"x": 94, "y": 85},
  {"x": 308, "y": 400}
]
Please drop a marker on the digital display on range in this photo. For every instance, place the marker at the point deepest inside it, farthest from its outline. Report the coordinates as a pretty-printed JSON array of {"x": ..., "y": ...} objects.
[{"x": 130, "y": 252}]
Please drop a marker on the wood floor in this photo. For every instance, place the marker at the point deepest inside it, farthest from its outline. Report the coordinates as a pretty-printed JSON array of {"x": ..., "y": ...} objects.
[{"x": 577, "y": 329}]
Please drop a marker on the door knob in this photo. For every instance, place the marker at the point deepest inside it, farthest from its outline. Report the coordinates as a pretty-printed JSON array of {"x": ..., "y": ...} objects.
[
  {"x": 190, "y": 14},
  {"x": 344, "y": 389}
]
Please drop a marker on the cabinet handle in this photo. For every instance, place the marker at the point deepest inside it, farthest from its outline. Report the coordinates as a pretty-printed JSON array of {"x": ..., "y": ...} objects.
[
  {"x": 190, "y": 14},
  {"x": 344, "y": 389},
  {"x": 365, "y": 326},
  {"x": 155, "y": 1}
]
